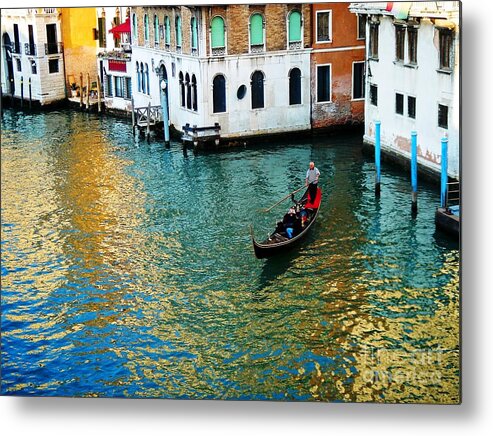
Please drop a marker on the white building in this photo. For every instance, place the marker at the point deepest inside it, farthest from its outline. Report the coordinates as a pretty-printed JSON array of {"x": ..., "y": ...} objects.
[
  {"x": 114, "y": 57},
  {"x": 32, "y": 55},
  {"x": 412, "y": 79},
  {"x": 221, "y": 70}
]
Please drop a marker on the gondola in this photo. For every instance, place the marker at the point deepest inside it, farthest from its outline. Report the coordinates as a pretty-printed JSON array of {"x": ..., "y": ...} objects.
[{"x": 279, "y": 240}]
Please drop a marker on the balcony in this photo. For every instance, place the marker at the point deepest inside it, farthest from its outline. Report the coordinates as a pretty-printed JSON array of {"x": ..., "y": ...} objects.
[
  {"x": 295, "y": 45},
  {"x": 30, "y": 49},
  {"x": 218, "y": 51},
  {"x": 257, "y": 48},
  {"x": 16, "y": 48},
  {"x": 53, "y": 48}
]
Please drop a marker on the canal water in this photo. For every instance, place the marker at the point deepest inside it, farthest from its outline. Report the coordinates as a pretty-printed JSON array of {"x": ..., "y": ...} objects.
[{"x": 128, "y": 271}]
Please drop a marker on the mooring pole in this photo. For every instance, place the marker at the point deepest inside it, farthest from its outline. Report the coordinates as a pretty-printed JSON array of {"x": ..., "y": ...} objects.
[
  {"x": 377, "y": 158},
  {"x": 81, "y": 89},
  {"x": 444, "y": 180},
  {"x": 148, "y": 131},
  {"x": 133, "y": 118},
  {"x": 98, "y": 84},
  {"x": 30, "y": 95},
  {"x": 22, "y": 91},
  {"x": 12, "y": 92},
  {"x": 414, "y": 171},
  {"x": 87, "y": 92},
  {"x": 164, "y": 106}
]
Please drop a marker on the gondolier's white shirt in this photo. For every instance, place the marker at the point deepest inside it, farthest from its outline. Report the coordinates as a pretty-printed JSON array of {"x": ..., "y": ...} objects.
[{"x": 312, "y": 175}]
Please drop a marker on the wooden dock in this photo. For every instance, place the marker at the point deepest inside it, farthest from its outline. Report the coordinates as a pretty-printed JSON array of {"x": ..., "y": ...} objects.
[
  {"x": 201, "y": 135},
  {"x": 447, "y": 218}
]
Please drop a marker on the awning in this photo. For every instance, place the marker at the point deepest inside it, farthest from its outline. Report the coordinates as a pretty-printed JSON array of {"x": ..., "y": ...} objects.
[
  {"x": 445, "y": 24},
  {"x": 121, "y": 28}
]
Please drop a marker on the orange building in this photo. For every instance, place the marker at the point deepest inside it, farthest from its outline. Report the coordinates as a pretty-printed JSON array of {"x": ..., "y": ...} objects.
[{"x": 337, "y": 66}]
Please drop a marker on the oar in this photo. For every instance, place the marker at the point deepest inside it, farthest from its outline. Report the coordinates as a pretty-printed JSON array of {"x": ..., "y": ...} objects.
[{"x": 285, "y": 198}]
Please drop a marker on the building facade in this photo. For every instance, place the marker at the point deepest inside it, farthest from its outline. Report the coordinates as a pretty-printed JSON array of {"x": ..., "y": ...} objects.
[
  {"x": 337, "y": 66},
  {"x": 246, "y": 67},
  {"x": 32, "y": 55},
  {"x": 412, "y": 79}
]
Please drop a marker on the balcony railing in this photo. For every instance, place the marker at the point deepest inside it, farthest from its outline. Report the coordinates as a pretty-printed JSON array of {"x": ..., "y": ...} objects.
[
  {"x": 16, "y": 48},
  {"x": 53, "y": 48},
  {"x": 218, "y": 51},
  {"x": 295, "y": 45},
  {"x": 30, "y": 49},
  {"x": 257, "y": 48}
]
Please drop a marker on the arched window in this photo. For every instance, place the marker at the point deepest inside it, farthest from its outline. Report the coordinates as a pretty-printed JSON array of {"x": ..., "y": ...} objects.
[
  {"x": 189, "y": 89},
  {"x": 167, "y": 31},
  {"x": 193, "y": 29},
  {"x": 134, "y": 28},
  {"x": 147, "y": 87},
  {"x": 295, "y": 86},
  {"x": 182, "y": 89},
  {"x": 178, "y": 31},
  {"x": 138, "y": 76},
  {"x": 256, "y": 32},
  {"x": 257, "y": 90},
  {"x": 156, "y": 30},
  {"x": 194, "y": 93},
  {"x": 142, "y": 78},
  {"x": 294, "y": 28},
  {"x": 219, "y": 94},
  {"x": 217, "y": 33},
  {"x": 146, "y": 28}
]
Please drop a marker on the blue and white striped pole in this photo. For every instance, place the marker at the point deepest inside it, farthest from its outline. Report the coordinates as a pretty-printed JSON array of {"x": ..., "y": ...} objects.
[
  {"x": 414, "y": 171},
  {"x": 164, "y": 107},
  {"x": 377, "y": 158},
  {"x": 443, "y": 190}
]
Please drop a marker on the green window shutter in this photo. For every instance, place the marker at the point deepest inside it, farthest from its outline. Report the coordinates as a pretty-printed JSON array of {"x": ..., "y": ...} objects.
[
  {"x": 194, "y": 32},
  {"x": 156, "y": 28},
  {"x": 217, "y": 31},
  {"x": 146, "y": 28},
  {"x": 294, "y": 26},
  {"x": 256, "y": 29},
  {"x": 168, "y": 31},
  {"x": 178, "y": 31}
]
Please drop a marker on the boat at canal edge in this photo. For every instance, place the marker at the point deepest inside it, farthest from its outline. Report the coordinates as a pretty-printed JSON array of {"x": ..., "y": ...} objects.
[{"x": 277, "y": 243}]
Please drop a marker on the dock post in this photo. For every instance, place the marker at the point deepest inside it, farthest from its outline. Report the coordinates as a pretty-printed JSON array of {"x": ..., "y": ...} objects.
[
  {"x": 164, "y": 106},
  {"x": 22, "y": 91},
  {"x": 30, "y": 95},
  {"x": 87, "y": 92},
  {"x": 98, "y": 84},
  {"x": 414, "y": 171},
  {"x": 81, "y": 89},
  {"x": 12, "y": 92},
  {"x": 148, "y": 130},
  {"x": 444, "y": 178},
  {"x": 133, "y": 117},
  {"x": 377, "y": 158}
]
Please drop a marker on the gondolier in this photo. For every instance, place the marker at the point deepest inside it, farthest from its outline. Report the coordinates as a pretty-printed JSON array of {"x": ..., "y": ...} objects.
[{"x": 311, "y": 180}]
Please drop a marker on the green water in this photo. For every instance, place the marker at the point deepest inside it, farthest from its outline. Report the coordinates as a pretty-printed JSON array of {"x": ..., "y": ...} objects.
[{"x": 128, "y": 271}]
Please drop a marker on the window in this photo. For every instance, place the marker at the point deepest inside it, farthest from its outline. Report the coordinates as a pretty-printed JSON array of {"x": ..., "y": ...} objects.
[
  {"x": 399, "y": 104},
  {"x": 294, "y": 27},
  {"x": 167, "y": 32},
  {"x": 19, "y": 65},
  {"x": 400, "y": 36},
  {"x": 412, "y": 44},
  {"x": 156, "y": 30},
  {"x": 445, "y": 49},
  {"x": 17, "y": 45},
  {"x": 34, "y": 68},
  {"x": 193, "y": 29},
  {"x": 323, "y": 83},
  {"x": 102, "y": 32},
  {"x": 178, "y": 31},
  {"x": 146, "y": 28},
  {"x": 194, "y": 93},
  {"x": 142, "y": 78},
  {"x": 134, "y": 28},
  {"x": 358, "y": 80},
  {"x": 146, "y": 88},
  {"x": 411, "y": 107},
  {"x": 219, "y": 94},
  {"x": 374, "y": 40},
  {"x": 109, "y": 85},
  {"x": 295, "y": 86},
  {"x": 138, "y": 77},
  {"x": 217, "y": 33},
  {"x": 374, "y": 95},
  {"x": 53, "y": 66},
  {"x": 443, "y": 116},
  {"x": 189, "y": 91},
  {"x": 257, "y": 90},
  {"x": 256, "y": 32},
  {"x": 119, "y": 87},
  {"x": 361, "y": 26},
  {"x": 324, "y": 26},
  {"x": 182, "y": 89},
  {"x": 128, "y": 88}
]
